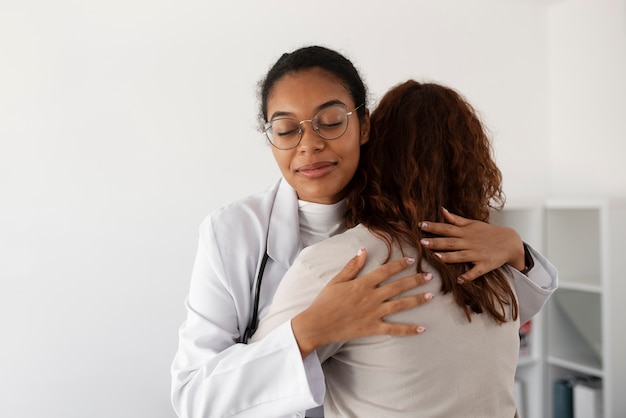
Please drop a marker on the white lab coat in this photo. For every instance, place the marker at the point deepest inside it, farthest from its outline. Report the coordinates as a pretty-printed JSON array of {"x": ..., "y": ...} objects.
[{"x": 215, "y": 376}]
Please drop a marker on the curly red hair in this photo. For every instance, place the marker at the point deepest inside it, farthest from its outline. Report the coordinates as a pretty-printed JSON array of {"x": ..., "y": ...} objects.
[{"x": 427, "y": 150}]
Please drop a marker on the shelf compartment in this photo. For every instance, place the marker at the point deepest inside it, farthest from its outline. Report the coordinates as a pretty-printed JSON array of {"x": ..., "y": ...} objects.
[
  {"x": 573, "y": 244},
  {"x": 575, "y": 329}
]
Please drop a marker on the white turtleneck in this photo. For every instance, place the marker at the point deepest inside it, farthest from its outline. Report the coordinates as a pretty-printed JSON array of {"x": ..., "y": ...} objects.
[{"x": 319, "y": 221}]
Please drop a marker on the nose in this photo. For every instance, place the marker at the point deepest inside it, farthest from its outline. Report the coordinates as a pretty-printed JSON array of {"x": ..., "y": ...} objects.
[{"x": 311, "y": 141}]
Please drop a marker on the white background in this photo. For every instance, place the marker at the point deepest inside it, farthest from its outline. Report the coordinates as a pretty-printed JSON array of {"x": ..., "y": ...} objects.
[{"x": 123, "y": 123}]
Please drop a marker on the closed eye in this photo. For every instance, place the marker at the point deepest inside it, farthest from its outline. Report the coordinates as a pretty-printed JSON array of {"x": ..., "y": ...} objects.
[
  {"x": 287, "y": 133},
  {"x": 330, "y": 125}
]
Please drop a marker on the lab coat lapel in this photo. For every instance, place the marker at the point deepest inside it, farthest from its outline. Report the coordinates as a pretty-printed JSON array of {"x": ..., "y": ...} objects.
[{"x": 283, "y": 236}]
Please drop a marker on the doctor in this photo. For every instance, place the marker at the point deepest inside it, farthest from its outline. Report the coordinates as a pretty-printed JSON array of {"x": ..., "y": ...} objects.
[{"x": 245, "y": 249}]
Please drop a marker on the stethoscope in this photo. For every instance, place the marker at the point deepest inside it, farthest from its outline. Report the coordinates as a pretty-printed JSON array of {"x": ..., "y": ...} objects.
[{"x": 253, "y": 322}]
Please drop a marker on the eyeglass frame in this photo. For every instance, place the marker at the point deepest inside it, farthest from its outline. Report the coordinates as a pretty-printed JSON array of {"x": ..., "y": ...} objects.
[{"x": 268, "y": 125}]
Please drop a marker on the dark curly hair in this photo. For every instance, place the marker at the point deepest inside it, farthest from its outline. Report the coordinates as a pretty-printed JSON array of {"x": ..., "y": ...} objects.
[
  {"x": 308, "y": 57},
  {"x": 427, "y": 150}
]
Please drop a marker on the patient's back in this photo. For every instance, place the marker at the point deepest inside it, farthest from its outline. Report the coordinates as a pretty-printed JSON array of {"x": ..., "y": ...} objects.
[{"x": 455, "y": 369}]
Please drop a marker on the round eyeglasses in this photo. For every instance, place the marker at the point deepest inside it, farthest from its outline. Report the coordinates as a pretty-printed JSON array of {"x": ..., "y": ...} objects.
[{"x": 329, "y": 123}]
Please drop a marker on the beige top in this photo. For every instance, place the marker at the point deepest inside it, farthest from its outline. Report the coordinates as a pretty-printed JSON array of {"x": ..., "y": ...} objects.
[{"x": 454, "y": 369}]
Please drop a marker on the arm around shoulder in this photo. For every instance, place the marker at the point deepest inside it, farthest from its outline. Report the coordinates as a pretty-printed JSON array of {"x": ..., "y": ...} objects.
[{"x": 212, "y": 374}]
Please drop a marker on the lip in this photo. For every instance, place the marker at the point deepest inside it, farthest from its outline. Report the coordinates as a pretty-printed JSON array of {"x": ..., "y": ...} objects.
[{"x": 316, "y": 170}]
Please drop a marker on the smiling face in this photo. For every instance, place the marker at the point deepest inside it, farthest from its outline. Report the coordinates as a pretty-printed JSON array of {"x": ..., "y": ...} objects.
[{"x": 318, "y": 169}]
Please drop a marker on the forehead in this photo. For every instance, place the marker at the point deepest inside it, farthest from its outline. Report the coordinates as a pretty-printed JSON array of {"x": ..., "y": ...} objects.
[{"x": 304, "y": 91}]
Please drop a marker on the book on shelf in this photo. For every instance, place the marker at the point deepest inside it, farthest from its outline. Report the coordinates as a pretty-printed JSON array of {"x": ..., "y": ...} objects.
[
  {"x": 588, "y": 399},
  {"x": 524, "y": 339},
  {"x": 577, "y": 397},
  {"x": 563, "y": 398}
]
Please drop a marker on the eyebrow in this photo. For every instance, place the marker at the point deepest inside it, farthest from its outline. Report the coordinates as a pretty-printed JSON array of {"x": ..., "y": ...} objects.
[{"x": 324, "y": 105}]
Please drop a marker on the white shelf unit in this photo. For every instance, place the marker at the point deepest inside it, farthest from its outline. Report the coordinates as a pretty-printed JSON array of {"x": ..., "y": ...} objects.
[
  {"x": 527, "y": 220},
  {"x": 585, "y": 331}
]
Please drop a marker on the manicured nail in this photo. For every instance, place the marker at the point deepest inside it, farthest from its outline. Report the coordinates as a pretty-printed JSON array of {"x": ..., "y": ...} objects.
[
  {"x": 410, "y": 260},
  {"x": 460, "y": 280},
  {"x": 429, "y": 296},
  {"x": 428, "y": 276},
  {"x": 425, "y": 242},
  {"x": 423, "y": 225},
  {"x": 438, "y": 255},
  {"x": 358, "y": 253},
  {"x": 420, "y": 329}
]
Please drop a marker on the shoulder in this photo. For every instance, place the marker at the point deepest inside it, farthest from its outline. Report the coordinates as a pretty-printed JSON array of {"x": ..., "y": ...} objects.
[
  {"x": 342, "y": 245},
  {"x": 331, "y": 255},
  {"x": 248, "y": 205},
  {"x": 243, "y": 213}
]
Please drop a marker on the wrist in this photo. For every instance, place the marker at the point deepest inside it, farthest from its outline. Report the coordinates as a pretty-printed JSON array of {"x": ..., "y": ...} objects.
[
  {"x": 518, "y": 258},
  {"x": 305, "y": 339}
]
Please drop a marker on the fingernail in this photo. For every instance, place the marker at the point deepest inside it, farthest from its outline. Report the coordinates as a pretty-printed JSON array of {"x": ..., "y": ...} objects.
[
  {"x": 360, "y": 251},
  {"x": 423, "y": 225},
  {"x": 410, "y": 260},
  {"x": 420, "y": 329},
  {"x": 438, "y": 255},
  {"x": 460, "y": 280},
  {"x": 428, "y": 276},
  {"x": 429, "y": 296},
  {"x": 425, "y": 242}
]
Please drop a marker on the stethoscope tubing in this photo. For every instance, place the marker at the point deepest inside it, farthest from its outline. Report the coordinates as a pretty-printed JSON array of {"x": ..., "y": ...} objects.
[{"x": 253, "y": 323}]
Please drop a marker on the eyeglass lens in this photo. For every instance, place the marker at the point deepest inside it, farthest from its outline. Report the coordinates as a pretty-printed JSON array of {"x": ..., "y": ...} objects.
[{"x": 329, "y": 123}]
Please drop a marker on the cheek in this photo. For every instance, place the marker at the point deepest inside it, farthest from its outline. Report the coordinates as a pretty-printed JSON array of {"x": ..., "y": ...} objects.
[
  {"x": 282, "y": 159},
  {"x": 353, "y": 156}
]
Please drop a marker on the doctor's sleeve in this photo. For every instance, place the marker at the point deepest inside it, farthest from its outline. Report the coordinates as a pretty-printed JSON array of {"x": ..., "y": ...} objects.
[
  {"x": 214, "y": 376},
  {"x": 535, "y": 287}
]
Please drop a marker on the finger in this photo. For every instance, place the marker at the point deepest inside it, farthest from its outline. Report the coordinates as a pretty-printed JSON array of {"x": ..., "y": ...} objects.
[
  {"x": 472, "y": 274},
  {"x": 352, "y": 268},
  {"x": 405, "y": 303},
  {"x": 440, "y": 228},
  {"x": 382, "y": 273},
  {"x": 397, "y": 287},
  {"x": 454, "y": 219},
  {"x": 444, "y": 244},
  {"x": 455, "y": 257}
]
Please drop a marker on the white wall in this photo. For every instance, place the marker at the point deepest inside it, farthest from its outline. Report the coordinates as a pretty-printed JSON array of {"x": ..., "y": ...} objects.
[
  {"x": 123, "y": 123},
  {"x": 587, "y": 78}
]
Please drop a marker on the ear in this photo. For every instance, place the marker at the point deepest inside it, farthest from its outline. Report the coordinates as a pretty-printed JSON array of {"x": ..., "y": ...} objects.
[{"x": 365, "y": 128}]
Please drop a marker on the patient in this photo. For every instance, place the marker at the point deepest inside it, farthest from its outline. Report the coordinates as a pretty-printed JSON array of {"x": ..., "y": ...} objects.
[{"x": 428, "y": 150}]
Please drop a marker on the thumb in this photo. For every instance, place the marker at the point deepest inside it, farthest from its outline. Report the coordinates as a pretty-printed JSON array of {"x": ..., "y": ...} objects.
[{"x": 352, "y": 268}]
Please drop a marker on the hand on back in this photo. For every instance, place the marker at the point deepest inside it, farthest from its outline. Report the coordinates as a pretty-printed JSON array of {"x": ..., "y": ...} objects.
[{"x": 350, "y": 307}]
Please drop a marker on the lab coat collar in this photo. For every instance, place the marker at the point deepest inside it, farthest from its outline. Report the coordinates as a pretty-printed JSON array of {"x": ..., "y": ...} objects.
[{"x": 283, "y": 236}]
